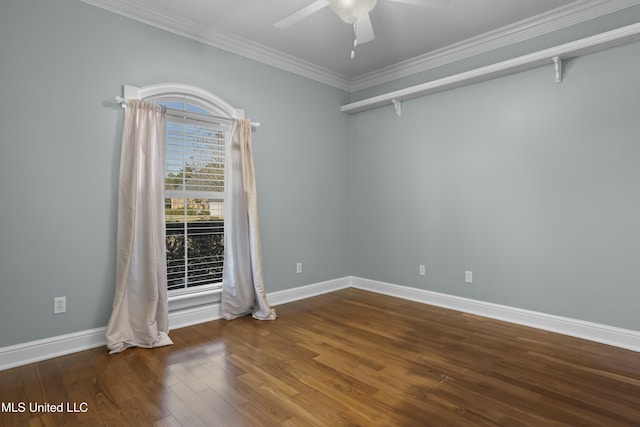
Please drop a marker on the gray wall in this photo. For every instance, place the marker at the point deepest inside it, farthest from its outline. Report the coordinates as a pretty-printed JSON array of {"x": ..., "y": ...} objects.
[
  {"x": 61, "y": 64},
  {"x": 532, "y": 185}
]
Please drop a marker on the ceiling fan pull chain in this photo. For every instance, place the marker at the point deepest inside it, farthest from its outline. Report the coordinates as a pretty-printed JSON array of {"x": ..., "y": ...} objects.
[{"x": 355, "y": 41}]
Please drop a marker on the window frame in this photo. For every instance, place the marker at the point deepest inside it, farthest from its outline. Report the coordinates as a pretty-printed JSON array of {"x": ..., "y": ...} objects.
[{"x": 175, "y": 92}]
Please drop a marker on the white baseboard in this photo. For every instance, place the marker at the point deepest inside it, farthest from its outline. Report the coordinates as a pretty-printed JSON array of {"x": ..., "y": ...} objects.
[
  {"x": 48, "y": 348},
  {"x": 308, "y": 291},
  {"x": 206, "y": 313},
  {"x": 610, "y": 335},
  {"x": 35, "y": 351},
  {"x": 61, "y": 345}
]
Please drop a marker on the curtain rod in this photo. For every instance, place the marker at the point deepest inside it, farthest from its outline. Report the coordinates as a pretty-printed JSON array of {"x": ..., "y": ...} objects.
[{"x": 123, "y": 102}]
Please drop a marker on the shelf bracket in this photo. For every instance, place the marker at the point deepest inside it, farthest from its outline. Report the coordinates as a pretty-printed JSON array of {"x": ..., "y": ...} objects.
[
  {"x": 398, "y": 106},
  {"x": 558, "y": 63}
]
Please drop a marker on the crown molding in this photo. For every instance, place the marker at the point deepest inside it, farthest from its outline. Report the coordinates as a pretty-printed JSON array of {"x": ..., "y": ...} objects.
[
  {"x": 557, "y": 19},
  {"x": 223, "y": 40}
]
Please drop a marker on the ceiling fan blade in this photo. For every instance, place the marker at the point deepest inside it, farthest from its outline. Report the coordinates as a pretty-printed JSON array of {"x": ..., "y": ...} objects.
[
  {"x": 436, "y": 4},
  {"x": 364, "y": 30},
  {"x": 299, "y": 15}
]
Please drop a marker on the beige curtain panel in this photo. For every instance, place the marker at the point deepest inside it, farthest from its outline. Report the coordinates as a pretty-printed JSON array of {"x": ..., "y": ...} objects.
[
  {"x": 140, "y": 308},
  {"x": 243, "y": 289}
]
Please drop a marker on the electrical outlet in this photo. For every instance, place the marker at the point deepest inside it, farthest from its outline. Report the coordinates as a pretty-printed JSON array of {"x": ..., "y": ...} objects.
[
  {"x": 299, "y": 268},
  {"x": 422, "y": 270},
  {"x": 59, "y": 305},
  {"x": 468, "y": 276}
]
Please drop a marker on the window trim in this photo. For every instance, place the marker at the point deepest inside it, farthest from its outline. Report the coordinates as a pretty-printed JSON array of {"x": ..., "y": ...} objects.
[
  {"x": 208, "y": 294},
  {"x": 184, "y": 93}
]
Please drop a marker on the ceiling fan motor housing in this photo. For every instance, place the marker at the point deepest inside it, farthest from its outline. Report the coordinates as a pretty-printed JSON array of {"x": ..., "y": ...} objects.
[{"x": 352, "y": 10}]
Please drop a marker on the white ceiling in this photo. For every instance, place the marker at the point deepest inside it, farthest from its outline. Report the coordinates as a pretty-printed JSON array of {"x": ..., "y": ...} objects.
[{"x": 406, "y": 37}]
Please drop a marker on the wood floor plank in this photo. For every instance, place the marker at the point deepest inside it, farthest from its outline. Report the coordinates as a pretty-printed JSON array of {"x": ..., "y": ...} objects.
[
  {"x": 316, "y": 403},
  {"x": 169, "y": 421},
  {"x": 348, "y": 358}
]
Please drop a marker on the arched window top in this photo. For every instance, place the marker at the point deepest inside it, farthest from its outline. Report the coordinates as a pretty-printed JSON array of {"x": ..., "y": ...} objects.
[{"x": 184, "y": 93}]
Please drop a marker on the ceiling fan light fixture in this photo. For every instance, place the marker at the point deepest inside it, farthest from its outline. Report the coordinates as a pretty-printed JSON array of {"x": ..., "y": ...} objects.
[{"x": 352, "y": 10}]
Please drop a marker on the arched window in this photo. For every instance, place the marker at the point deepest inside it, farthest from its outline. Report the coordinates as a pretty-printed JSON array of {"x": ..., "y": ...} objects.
[{"x": 198, "y": 135}]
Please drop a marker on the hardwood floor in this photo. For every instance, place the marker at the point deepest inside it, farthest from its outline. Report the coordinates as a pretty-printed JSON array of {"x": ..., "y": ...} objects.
[{"x": 346, "y": 358}]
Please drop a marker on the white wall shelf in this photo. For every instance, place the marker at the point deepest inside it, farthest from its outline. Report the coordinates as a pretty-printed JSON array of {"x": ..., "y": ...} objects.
[{"x": 555, "y": 55}]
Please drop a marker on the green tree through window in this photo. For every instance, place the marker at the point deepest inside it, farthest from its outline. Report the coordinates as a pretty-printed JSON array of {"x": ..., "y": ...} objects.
[{"x": 194, "y": 198}]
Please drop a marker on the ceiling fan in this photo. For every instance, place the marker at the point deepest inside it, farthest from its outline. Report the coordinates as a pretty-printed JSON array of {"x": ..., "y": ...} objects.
[{"x": 354, "y": 12}]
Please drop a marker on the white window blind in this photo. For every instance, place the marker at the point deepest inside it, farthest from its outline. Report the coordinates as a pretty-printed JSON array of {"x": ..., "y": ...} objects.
[{"x": 194, "y": 198}]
